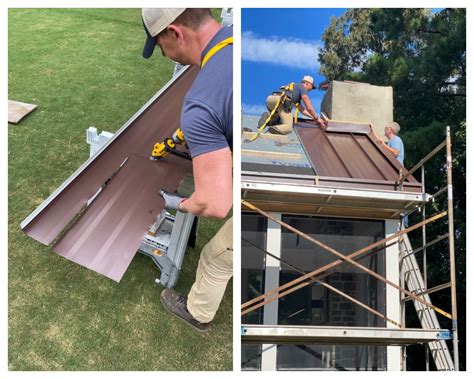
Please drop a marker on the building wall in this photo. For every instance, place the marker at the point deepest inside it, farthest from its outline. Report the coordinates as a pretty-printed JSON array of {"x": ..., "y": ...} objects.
[
  {"x": 272, "y": 274},
  {"x": 393, "y": 295},
  {"x": 360, "y": 102}
]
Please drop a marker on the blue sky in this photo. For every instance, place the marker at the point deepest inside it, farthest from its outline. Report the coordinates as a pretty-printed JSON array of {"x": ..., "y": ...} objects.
[{"x": 280, "y": 46}]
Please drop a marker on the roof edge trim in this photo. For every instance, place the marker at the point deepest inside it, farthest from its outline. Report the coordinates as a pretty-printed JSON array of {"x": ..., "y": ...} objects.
[{"x": 335, "y": 191}]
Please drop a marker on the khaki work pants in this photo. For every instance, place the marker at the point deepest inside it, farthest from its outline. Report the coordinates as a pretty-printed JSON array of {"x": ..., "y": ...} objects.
[
  {"x": 213, "y": 273},
  {"x": 285, "y": 118}
]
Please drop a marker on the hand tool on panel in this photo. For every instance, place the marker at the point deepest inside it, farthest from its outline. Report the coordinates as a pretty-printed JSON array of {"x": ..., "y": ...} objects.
[{"x": 169, "y": 146}]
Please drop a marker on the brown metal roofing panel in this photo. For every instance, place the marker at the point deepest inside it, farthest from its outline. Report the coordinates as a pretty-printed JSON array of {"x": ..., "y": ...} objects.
[
  {"x": 389, "y": 167},
  {"x": 326, "y": 162},
  {"x": 387, "y": 160},
  {"x": 351, "y": 156},
  {"x": 354, "y": 157},
  {"x": 370, "y": 152},
  {"x": 108, "y": 234},
  {"x": 155, "y": 123}
]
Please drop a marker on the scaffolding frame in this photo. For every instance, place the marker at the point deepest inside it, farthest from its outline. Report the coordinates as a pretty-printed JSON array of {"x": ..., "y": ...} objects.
[
  {"x": 329, "y": 335},
  {"x": 450, "y": 236},
  {"x": 314, "y": 276}
]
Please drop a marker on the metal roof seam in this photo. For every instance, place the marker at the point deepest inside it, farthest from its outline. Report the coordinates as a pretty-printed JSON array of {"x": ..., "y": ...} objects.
[
  {"x": 108, "y": 234},
  {"x": 375, "y": 162},
  {"x": 155, "y": 121},
  {"x": 336, "y": 152},
  {"x": 368, "y": 156}
]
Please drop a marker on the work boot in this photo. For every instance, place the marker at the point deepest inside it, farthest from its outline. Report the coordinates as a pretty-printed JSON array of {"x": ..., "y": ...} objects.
[
  {"x": 175, "y": 303},
  {"x": 263, "y": 118}
]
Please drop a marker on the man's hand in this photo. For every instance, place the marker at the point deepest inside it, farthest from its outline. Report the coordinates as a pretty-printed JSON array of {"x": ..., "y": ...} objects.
[
  {"x": 319, "y": 121},
  {"x": 377, "y": 137},
  {"x": 172, "y": 201}
]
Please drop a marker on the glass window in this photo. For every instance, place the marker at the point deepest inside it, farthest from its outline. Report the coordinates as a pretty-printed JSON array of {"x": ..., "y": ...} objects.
[
  {"x": 331, "y": 357},
  {"x": 317, "y": 305},
  {"x": 254, "y": 234}
]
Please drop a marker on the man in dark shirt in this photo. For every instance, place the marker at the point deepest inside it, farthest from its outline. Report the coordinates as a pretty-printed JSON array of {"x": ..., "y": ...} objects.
[
  {"x": 282, "y": 121},
  {"x": 191, "y": 36}
]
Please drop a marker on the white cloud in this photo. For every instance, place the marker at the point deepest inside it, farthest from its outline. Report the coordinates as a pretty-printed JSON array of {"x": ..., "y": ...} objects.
[
  {"x": 254, "y": 109},
  {"x": 283, "y": 52}
]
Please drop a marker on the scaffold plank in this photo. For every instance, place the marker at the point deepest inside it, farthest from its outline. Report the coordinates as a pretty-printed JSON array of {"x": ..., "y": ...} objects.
[{"x": 336, "y": 335}]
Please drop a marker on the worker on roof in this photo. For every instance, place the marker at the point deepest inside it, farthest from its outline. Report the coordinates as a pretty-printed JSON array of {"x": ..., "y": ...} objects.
[
  {"x": 394, "y": 143},
  {"x": 395, "y": 146},
  {"x": 191, "y": 36},
  {"x": 282, "y": 103}
]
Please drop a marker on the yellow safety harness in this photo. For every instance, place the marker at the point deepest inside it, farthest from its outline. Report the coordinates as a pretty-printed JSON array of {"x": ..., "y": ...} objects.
[
  {"x": 162, "y": 149},
  {"x": 215, "y": 49},
  {"x": 285, "y": 90}
]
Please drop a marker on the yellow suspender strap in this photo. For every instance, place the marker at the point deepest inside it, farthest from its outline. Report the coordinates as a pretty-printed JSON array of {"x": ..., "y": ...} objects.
[
  {"x": 290, "y": 87},
  {"x": 216, "y": 48}
]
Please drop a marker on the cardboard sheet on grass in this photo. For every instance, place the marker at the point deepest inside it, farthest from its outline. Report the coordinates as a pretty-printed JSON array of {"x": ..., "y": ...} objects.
[{"x": 18, "y": 110}]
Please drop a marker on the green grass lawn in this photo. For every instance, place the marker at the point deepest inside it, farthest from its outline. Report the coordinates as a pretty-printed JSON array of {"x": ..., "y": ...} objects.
[{"x": 84, "y": 68}]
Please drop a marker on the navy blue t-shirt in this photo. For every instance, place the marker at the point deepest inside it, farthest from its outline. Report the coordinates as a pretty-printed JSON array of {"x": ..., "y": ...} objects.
[
  {"x": 298, "y": 91},
  {"x": 207, "y": 115}
]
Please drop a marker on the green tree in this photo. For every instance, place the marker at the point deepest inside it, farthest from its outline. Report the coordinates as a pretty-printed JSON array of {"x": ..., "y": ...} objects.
[{"x": 422, "y": 55}]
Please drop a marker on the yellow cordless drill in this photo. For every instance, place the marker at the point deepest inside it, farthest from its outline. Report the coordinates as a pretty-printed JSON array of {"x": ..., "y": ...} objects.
[
  {"x": 178, "y": 137},
  {"x": 168, "y": 146}
]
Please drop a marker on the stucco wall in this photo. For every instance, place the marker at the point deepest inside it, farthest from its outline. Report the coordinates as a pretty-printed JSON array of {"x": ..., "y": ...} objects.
[{"x": 361, "y": 102}]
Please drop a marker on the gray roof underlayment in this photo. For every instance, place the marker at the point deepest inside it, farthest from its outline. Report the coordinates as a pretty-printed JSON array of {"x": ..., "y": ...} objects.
[{"x": 282, "y": 164}]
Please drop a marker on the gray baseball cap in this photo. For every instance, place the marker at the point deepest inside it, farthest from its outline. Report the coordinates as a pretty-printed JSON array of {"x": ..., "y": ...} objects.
[{"x": 155, "y": 20}]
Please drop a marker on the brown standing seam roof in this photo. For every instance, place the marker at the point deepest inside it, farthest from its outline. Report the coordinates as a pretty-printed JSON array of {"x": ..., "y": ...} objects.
[
  {"x": 348, "y": 154},
  {"x": 156, "y": 122},
  {"x": 109, "y": 233}
]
